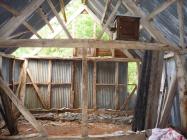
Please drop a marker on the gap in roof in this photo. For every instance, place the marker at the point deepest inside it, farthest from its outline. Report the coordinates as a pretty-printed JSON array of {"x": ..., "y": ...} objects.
[{"x": 82, "y": 27}]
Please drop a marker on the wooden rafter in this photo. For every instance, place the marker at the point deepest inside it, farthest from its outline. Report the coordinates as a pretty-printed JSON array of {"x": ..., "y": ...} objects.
[
  {"x": 105, "y": 10},
  {"x": 180, "y": 11},
  {"x": 16, "y": 13},
  {"x": 160, "y": 9},
  {"x": 59, "y": 19},
  {"x": 85, "y": 43},
  {"x": 15, "y": 22},
  {"x": 17, "y": 35},
  {"x": 45, "y": 19},
  {"x": 109, "y": 20},
  {"x": 63, "y": 9},
  {"x": 154, "y": 32}
]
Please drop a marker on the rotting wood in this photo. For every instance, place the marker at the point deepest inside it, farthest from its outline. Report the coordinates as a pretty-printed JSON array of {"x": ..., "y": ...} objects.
[
  {"x": 116, "y": 86},
  {"x": 168, "y": 103},
  {"x": 49, "y": 83},
  {"x": 85, "y": 43},
  {"x": 28, "y": 116},
  {"x": 15, "y": 22},
  {"x": 84, "y": 131},
  {"x": 94, "y": 85},
  {"x": 38, "y": 92},
  {"x": 59, "y": 19}
]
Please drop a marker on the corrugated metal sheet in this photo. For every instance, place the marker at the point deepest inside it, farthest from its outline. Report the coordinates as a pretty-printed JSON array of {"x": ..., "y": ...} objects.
[
  {"x": 61, "y": 73},
  {"x": 61, "y": 96},
  {"x": 17, "y": 70},
  {"x": 39, "y": 70},
  {"x": 6, "y": 63}
]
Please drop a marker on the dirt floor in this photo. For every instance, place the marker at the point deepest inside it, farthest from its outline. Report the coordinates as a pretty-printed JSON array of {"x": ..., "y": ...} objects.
[{"x": 73, "y": 128}]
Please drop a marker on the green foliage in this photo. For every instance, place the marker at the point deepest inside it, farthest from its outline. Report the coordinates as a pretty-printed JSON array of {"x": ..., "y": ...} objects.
[{"x": 132, "y": 75}]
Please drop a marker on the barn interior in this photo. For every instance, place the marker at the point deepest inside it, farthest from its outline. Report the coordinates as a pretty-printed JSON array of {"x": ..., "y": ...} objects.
[{"x": 88, "y": 95}]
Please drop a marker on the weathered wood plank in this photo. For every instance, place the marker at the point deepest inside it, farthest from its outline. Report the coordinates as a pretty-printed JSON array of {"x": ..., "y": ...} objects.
[
  {"x": 116, "y": 86},
  {"x": 38, "y": 92},
  {"x": 105, "y": 10},
  {"x": 15, "y": 22},
  {"x": 28, "y": 116},
  {"x": 160, "y": 9},
  {"x": 59, "y": 18},
  {"x": 84, "y": 131},
  {"x": 85, "y": 43}
]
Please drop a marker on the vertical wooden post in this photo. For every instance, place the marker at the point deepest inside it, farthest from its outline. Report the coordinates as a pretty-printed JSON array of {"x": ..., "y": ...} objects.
[
  {"x": 182, "y": 86},
  {"x": 72, "y": 84},
  {"x": 49, "y": 83},
  {"x": 94, "y": 85},
  {"x": 116, "y": 86},
  {"x": 84, "y": 94},
  {"x": 24, "y": 80},
  {"x": 13, "y": 69}
]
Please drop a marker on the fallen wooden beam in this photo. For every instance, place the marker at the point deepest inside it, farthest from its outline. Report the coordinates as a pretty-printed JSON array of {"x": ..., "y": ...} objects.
[
  {"x": 28, "y": 116},
  {"x": 85, "y": 43}
]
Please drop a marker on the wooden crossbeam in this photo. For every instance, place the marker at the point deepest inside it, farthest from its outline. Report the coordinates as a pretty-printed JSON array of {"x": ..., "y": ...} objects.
[
  {"x": 44, "y": 17},
  {"x": 15, "y": 22},
  {"x": 180, "y": 11},
  {"x": 85, "y": 43},
  {"x": 160, "y": 9},
  {"x": 105, "y": 10},
  {"x": 38, "y": 93},
  {"x": 109, "y": 20},
  {"x": 59, "y": 18},
  {"x": 154, "y": 32},
  {"x": 16, "y": 13}
]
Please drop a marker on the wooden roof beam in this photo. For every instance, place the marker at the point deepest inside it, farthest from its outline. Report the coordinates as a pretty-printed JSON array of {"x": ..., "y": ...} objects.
[
  {"x": 15, "y": 22},
  {"x": 16, "y": 13},
  {"x": 63, "y": 10},
  {"x": 109, "y": 20},
  {"x": 59, "y": 19},
  {"x": 108, "y": 2},
  {"x": 160, "y": 9},
  {"x": 44, "y": 17},
  {"x": 154, "y": 32},
  {"x": 180, "y": 11},
  {"x": 85, "y": 43}
]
